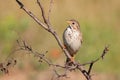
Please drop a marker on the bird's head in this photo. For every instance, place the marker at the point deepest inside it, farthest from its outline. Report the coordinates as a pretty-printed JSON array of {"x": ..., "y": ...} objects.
[{"x": 74, "y": 24}]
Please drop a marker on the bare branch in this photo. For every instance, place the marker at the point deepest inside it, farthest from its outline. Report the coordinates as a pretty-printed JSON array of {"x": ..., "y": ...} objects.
[
  {"x": 90, "y": 68},
  {"x": 20, "y": 4},
  {"x": 46, "y": 25},
  {"x": 60, "y": 75},
  {"x": 24, "y": 46},
  {"x": 87, "y": 73},
  {"x": 49, "y": 29},
  {"x": 106, "y": 49},
  {"x": 32, "y": 15},
  {"x": 42, "y": 58},
  {"x": 101, "y": 57},
  {"x": 4, "y": 66},
  {"x": 42, "y": 11},
  {"x": 84, "y": 72}
]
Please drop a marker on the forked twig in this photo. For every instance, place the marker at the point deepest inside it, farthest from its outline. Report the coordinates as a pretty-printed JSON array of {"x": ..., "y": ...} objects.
[{"x": 46, "y": 27}]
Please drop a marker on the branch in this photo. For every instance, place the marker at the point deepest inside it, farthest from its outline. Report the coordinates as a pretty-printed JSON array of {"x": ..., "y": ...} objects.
[
  {"x": 20, "y": 4},
  {"x": 32, "y": 15},
  {"x": 46, "y": 27},
  {"x": 87, "y": 73},
  {"x": 22, "y": 45},
  {"x": 60, "y": 75},
  {"x": 46, "y": 21},
  {"x": 4, "y": 66},
  {"x": 105, "y": 50},
  {"x": 101, "y": 57},
  {"x": 42, "y": 11}
]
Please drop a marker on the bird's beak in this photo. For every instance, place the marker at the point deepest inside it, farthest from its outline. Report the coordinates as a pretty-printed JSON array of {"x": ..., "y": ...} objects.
[{"x": 68, "y": 22}]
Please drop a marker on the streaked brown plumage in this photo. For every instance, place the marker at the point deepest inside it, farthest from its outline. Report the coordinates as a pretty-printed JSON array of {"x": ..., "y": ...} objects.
[{"x": 72, "y": 38}]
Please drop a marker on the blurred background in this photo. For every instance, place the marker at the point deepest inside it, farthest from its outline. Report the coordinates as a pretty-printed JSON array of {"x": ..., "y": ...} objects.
[{"x": 99, "y": 22}]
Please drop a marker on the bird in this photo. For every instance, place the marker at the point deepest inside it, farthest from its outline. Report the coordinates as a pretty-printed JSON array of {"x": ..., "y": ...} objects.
[{"x": 72, "y": 39}]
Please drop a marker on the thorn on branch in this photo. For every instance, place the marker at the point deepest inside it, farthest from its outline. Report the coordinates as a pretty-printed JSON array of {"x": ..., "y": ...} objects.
[{"x": 20, "y": 4}]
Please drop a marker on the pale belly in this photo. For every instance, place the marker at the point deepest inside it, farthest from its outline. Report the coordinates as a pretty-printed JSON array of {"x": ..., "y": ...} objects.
[{"x": 72, "y": 41}]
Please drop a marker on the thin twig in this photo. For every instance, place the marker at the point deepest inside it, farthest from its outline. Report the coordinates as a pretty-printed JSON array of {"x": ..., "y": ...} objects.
[
  {"x": 42, "y": 11},
  {"x": 90, "y": 68},
  {"x": 84, "y": 72},
  {"x": 21, "y": 5},
  {"x": 32, "y": 15},
  {"x": 106, "y": 49},
  {"x": 42, "y": 58}
]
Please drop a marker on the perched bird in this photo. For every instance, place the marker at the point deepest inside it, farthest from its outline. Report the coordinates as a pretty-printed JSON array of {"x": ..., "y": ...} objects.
[{"x": 72, "y": 38}]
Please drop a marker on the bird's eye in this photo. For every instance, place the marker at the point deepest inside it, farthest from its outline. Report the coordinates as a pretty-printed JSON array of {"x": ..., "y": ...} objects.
[{"x": 73, "y": 23}]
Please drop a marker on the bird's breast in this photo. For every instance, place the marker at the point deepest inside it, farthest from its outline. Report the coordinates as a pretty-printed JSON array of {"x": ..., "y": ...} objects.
[{"x": 72, "y": 39}]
